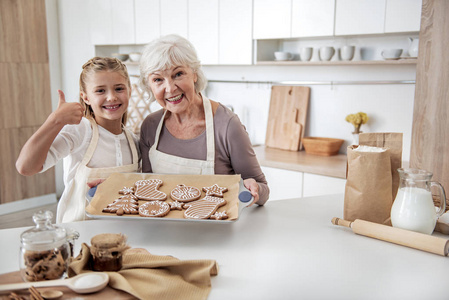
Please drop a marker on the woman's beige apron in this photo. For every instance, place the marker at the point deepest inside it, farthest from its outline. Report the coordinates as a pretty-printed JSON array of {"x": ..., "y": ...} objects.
[
  {"x": 162, "y": 163},
  {"x": 72, "y": 207}
]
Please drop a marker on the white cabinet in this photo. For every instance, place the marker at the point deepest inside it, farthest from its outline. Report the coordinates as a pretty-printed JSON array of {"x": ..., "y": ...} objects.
[
  {"x": 283, "y": 184},
  {"x": 272, "y": 19},
  {"x": 235, "y": 44},
  {"x": 313, "y": 18},
  {"x": 203, "y": 29},
  {"x": 174, "y": 17},
  {"x": 286, "y": 184},
  {"x": 359, "y": 17},
  {"x": 147, "y": 19},
  {"x": 112, "y": 22},
  {"x": 403, "y": 15},
  {"x": 315, "y": 185}
]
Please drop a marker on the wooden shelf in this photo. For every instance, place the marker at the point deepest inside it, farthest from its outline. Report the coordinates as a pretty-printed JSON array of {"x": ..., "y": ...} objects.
[
  {"x": 402, "y": 61},
  {"x": 300, "y": 161}
]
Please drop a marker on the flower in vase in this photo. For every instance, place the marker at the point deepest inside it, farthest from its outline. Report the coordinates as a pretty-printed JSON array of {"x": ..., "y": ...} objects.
[{"x": 357, "y": 120}]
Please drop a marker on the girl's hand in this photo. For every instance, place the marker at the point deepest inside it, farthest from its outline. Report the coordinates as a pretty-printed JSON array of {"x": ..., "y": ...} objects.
[
  {"x": 253, "y": 188},
  {"x": 68, "y": 112}
]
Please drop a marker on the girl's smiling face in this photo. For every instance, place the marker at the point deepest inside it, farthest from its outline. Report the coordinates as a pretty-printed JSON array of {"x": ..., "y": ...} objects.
[
  {"x": 108, "y": 94},
  {"x": 174, "y": 88}
]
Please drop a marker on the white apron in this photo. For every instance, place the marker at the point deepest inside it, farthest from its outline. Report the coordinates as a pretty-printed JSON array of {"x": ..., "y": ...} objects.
[
  {"x": 162, "y": 163},
  {"x": 72, "y": 206}
]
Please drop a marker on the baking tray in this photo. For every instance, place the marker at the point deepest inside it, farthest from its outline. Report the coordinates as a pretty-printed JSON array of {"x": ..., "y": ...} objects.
[{"x": 237, "y": 196}]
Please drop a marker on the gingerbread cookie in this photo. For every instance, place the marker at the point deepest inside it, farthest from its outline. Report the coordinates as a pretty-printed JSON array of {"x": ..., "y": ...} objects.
[
  {"x": 123, "y": 205},
  {"x": 126, "y": 190},
  {"x": 203, "y": 208},
  {"x": 176, "y": 205},
  {"x": 215, "y": 190},
  {"x": 148, "y": 190},
  {"x": 185, "y": 193},
  {"x": 154, "y": 209},
  {"x": 219, "y": 215}
]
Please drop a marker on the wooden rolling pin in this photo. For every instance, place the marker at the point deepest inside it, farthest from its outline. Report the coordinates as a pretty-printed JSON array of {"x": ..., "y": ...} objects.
[{"x": 398, "y": 236}]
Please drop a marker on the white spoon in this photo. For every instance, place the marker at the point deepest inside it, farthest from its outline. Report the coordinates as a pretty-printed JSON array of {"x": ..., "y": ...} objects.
[{"x": 81, "y": 284}]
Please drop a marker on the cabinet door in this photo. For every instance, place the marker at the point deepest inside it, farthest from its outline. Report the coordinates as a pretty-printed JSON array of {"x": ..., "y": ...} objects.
[
  {"x": 174, "y": 16},
  {"x": 403, "y": 15},
  {"x": 359, "y": 17},
  {"x": 147, "y": 18},
  {"x": 313, "y": 18},
  {"x": 272, "y": 19},
  {"x": 283, "y": 184},
  {"x": 203, "y": 29},
  {"x": 100, "y": 21},
  {"x": 111, "y": 22},
  {"x": 235, "y": 32},
  {"x": 318, "y": 185},
  {"x": 123, "y": 31}
]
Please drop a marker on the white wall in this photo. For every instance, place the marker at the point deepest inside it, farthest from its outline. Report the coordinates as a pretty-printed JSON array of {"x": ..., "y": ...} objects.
[{"x": 389, "y": 106}]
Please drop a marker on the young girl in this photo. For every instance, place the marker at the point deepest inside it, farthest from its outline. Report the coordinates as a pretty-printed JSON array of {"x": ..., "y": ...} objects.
[{"x": 90, "y": 136}]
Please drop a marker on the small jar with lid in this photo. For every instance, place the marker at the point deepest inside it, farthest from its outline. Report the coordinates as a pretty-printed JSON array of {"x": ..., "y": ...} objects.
[
  {"x": 107, "y": 250},
  {"x": 44, "y": 251}
]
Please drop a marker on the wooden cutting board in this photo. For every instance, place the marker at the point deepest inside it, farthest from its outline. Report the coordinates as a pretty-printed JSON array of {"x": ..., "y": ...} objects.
[{"x": 287, "y": 117}]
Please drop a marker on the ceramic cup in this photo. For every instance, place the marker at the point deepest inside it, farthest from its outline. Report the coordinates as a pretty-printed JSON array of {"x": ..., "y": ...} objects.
[
  {"x": 347, "y": 52},
  {"x": 279, "y": 55},
  {"x": 391, "y": 53},
  {"x": 326, "y": 53},
  {"x": 306, "y": 53}
]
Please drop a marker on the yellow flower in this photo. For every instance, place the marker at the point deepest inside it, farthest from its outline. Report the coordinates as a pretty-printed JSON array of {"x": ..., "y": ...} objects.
[{"x": 357, "y": 120}]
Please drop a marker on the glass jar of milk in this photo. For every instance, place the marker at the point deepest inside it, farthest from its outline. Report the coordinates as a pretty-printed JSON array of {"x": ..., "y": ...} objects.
[{"x": 414, "y": 209}]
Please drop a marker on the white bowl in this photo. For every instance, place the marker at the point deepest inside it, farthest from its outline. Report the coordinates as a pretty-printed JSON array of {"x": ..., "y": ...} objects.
[
  {"x": 391, "y": 53},
  {"x": 135, "y": 56},
  {"x": 279, "y": 55},
  {"x": 122, "y": 57}
]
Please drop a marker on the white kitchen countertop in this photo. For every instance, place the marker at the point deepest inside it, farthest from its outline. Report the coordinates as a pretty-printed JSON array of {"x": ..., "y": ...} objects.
[{"x": 285, "y": 250}]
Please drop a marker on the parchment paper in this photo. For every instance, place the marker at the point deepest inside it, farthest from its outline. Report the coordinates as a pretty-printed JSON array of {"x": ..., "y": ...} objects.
[{"x": 108, "y": 191}]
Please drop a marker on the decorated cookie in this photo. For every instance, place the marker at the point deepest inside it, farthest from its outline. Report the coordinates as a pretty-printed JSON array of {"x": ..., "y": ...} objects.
[
  {"x": 219, "y": 215},
  {"x": 148, "y": 190},
  {"x": 176, "y": 205},
  {"x": 215, "y": 190},
  {"x": 185, "y": 193},
  {"x": 154, "y": 209},
  {"x": 127, "y": 190},
  {"x": 203, "y": 208},
  {"x": 123, "y": 205}
]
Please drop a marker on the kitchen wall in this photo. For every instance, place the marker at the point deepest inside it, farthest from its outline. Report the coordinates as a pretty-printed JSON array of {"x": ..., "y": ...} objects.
[{"x": 390, "y": 106}]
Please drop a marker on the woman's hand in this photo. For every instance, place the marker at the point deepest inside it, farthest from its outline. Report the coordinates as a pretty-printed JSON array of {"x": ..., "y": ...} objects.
[{"x": 253, "y": 188}]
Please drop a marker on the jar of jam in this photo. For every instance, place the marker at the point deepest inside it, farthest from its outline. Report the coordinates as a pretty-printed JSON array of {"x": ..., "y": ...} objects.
[
  {"x": 107, "y": 250},
  {"x": 44, "y": 251}
]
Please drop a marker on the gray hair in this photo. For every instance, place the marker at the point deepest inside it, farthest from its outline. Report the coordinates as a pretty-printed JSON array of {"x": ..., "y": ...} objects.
[{"x": 167, "y": 52}]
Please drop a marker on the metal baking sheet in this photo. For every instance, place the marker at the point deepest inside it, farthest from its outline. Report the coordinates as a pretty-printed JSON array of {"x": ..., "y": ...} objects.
[{"x": 107, "y": 192}]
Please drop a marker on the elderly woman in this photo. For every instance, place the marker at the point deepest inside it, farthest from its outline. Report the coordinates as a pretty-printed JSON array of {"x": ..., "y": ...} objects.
[{"x": 191, "y": 134}]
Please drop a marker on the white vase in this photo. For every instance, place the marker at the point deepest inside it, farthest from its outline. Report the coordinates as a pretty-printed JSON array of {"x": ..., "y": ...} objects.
[{"x": 355, "y": 138}]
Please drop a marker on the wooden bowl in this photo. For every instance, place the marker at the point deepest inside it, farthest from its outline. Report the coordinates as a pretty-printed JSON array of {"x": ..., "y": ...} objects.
[{"x": 322, "y": 146}]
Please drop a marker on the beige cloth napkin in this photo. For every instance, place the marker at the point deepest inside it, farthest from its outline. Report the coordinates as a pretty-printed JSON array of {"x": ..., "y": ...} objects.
[{"x": 148, "y": 276}]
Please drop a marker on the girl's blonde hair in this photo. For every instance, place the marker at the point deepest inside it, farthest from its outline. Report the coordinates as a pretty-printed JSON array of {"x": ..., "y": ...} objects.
[
  {"x": 99, "y": 64},
  {"x": 166, "y": 52}
]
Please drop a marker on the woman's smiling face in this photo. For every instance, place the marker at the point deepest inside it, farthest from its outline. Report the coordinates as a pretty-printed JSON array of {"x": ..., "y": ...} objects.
[
  {"x": 108, "y": 94},
  {"x": 174, "y": 88}
]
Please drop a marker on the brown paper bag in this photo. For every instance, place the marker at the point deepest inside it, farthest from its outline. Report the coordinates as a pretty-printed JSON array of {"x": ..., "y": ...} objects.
[
  {"x": 392, "y": 141},
  {"x": 368, "y": 186}
]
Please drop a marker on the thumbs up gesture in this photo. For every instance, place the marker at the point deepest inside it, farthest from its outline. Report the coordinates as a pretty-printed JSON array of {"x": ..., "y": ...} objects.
[{"x": 68, "y": 112}]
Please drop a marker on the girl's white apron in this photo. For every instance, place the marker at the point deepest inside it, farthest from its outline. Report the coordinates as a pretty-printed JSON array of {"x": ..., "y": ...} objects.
[
  {"x": 162, "y": 163},
  {"x": 72, "y": 206}
]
